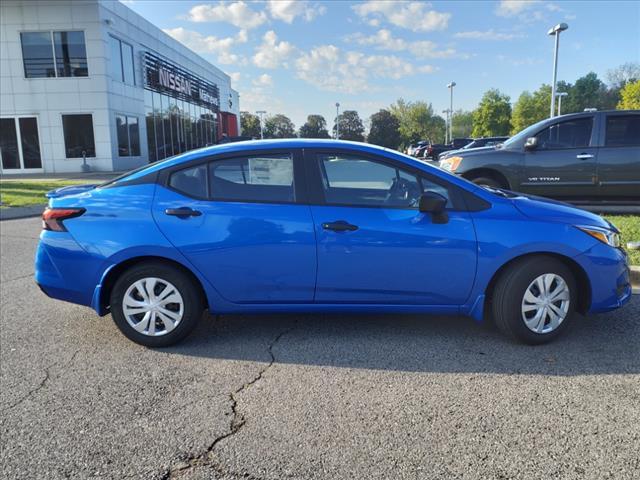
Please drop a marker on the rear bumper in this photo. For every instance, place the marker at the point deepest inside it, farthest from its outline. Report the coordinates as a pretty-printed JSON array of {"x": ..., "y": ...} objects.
[{"x": 609, "y": 277}]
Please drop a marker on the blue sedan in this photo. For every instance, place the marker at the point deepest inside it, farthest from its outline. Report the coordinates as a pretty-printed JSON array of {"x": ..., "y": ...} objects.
[{"x": 321, "y": 226}]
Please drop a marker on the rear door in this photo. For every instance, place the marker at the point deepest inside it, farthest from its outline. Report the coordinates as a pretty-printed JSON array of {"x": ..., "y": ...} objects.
[
  {"x": 241, "y": 222},
  {"x": 374, "y": 246},
  {"x": 619, "y": 156},
  {"x": 564, "y": 162}
]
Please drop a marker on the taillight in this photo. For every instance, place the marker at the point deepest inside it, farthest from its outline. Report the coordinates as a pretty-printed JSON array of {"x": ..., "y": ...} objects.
[{"x": 52, "y": 217}]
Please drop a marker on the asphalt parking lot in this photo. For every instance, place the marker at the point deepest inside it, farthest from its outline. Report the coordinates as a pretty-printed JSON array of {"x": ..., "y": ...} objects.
[{"x": 308, "y": 396}]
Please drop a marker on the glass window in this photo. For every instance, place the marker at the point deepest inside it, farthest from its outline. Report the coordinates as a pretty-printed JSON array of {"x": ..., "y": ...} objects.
[
  {"x": 37, "y": 54},
  {"x": 116, "y": 59},
  {"x": 431, "y": 186},
  {"x": 78, "y": 135},
  {"x": 253, "y": 179},
  {"x": 622, "y": 130},
  {"x": 9, "y": 144},
  {"x": 71, "y": 54},
  {"x": 356, "y": 181},
  {"x": 128, "y": 136},
  {"x": 569, "y": 134},
  {"x": 166, "y": 122},
  {"x": 30, "y": 142},
  {"x": 134, "y": 136},
  {"x": 127, "y": 64},
  {"x": 190, "y": 181}
]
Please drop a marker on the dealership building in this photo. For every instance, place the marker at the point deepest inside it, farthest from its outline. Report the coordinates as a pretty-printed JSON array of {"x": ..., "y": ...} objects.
[{"x": 92, "y": 82}]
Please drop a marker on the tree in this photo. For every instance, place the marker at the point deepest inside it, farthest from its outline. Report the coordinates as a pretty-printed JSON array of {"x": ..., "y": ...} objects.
[
  {"x": 316, "y": 127},
  {"x": 531, "y": 108},
  {"x": 493, "y": 115},
  {"x": 351, "y": 127},
  {"x": 279, "y": 126},
  {"x": 462, "y": 124},
  {"x": 630, "y": 96},
  {"x": 384, "y": 130},
  {"x": 418, "y": 122},
  {"x": 249, "y": 125},
  {"x": 626, "y": 73},
  {"x": 588, "y": 92}
]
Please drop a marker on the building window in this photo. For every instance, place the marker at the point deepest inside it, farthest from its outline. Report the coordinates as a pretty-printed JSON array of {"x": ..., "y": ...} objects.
[
  {"x": 78, "y": 135},
  {"x": 54, "y": 54},
  {"x": 122, "y": 68},
  {"x": 128, "y": 136},
  {"x": 20, "y": 147}
]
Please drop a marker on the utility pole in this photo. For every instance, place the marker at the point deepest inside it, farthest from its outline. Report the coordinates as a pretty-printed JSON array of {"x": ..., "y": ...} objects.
[
  {"x": 560, "y": 95},
  {"x": 446, "y": 124},
  {"x": 450, "y": 87},
  {"x": 561, "y": 27},
  {"x": 261, "y": 113},
  {"x": 337, "y": 121}
]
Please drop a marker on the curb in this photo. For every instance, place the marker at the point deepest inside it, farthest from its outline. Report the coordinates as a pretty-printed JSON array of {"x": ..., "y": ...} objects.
[{"x": 14, "y": 213}]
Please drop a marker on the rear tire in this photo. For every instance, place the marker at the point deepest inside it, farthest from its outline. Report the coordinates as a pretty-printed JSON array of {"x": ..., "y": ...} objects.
[
  {"x": 489, "y": 182},
  {"x": 534, "y": 300},
  {"x": 156, "y": 304}
]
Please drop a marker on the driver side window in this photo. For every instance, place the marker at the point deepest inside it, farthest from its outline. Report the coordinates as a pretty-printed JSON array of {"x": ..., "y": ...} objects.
[
  {"x": 569, "y": 134},
  {"x": 349, "y": 180}
]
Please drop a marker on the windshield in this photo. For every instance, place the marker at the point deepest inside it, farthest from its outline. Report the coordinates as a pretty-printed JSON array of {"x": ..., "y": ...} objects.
[{"x": 524, "y": 134}]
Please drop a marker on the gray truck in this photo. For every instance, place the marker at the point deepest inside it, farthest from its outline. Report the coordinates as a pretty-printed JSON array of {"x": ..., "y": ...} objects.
[{"x": 580, "y": 158}]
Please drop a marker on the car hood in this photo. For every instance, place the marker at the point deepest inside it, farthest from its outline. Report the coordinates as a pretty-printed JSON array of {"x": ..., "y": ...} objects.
[{"x": 541, "y": 208}]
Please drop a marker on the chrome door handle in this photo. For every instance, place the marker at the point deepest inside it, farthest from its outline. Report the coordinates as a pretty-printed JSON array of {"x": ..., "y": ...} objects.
[{"x": 584, "y": 156}]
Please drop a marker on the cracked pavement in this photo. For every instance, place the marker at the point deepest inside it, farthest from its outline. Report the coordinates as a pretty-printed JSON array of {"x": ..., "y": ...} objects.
[{"x": 308, "y": 396}]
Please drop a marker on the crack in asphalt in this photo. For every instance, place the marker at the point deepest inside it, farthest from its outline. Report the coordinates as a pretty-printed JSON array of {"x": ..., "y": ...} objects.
[
  {"x": 43, "y": 382},
  {"x": 238, "y": 420}
]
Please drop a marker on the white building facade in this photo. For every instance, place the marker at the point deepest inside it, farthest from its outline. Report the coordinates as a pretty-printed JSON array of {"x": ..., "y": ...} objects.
[{"x": 90, "y": 84}]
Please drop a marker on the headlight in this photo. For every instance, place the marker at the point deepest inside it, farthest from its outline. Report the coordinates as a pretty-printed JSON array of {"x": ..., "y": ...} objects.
[
  {"x": 451, "y": 164},
  {"x": 609, "y": 237}
]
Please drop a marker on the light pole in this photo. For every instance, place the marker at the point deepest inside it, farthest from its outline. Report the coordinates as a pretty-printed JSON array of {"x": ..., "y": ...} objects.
[
  {"x": 446, "y": 124},
  {"x": 561, "y": 27},
  {"x": 560, "y": 95},
  {"x": 261, "y": 113},
  {"x": 337, "y": 121},
  {"x": 450, "y": 87}
]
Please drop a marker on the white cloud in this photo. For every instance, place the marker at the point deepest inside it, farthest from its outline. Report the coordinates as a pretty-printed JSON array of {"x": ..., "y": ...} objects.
[
  {"x": 384, "y": 40},
  {"x": 271, "y": 53},
  {"x": 330, "y": 69},
  {"x": 526, "y": 10},
  {"x": 235, "y": 76},
  {"x": 263, "y": 80},
  {"x": 511, "y": 8},
  {"x": 236, "y": 13},
  {"x": 488, "y": 35},
  {"x": 288, "y": 10},
  {"x": 415, "y": 16},
  {"x": 210, "y": 44}
]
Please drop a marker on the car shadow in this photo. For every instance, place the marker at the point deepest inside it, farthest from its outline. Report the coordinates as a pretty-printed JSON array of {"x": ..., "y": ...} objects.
[{"x": 598, "y": 344}]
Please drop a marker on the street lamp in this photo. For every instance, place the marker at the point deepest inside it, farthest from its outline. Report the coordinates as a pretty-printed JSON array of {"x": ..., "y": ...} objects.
[
  {"x": 337, "y": 121},
  {"x": 450, "y": 87},
  {"x": 560, "y": 95},
  {"x": 261, "y": 113},
  {"x": 446, "y": 124},
  {"x": 561, "y": 27}
]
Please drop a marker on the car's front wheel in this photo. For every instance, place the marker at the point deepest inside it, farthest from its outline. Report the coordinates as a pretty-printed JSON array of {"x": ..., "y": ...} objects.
[
  {"x": 156, "y": 304},
  {"x": 534, "y": 299}
]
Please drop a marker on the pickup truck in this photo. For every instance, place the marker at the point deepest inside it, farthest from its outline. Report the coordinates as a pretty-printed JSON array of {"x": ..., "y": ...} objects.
[{"x": 578, "y": 158}]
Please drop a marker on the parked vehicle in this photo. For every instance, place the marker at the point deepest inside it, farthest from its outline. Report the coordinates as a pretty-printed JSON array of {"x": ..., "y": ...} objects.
[
  {"x": 432, "y": 151},
  {"x": 415, "y": 146},
  {"x": 321, "y": 226},
  {"x": 579, "y": 157},
  {"x": 476, "y": 143}
]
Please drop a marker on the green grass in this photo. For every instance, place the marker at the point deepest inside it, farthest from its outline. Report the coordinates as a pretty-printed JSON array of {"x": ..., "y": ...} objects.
[
  {"x": 21, "y": 193},
  {"x": 629, "y": 226}
]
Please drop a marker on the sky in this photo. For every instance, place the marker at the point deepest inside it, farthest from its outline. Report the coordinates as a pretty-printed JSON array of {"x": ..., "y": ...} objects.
[{"x": 301, "y": 57}]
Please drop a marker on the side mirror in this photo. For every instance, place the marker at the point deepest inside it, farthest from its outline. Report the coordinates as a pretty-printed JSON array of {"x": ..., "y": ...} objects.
[
  {"x": 434, "y": 203},
  {"x": 531, "y": 143}
]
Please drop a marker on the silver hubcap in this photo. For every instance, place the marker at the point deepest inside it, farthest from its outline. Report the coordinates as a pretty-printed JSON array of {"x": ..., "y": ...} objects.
[
  {"x": 153, "y": 306},
  {"x": 546, "y": 303}
]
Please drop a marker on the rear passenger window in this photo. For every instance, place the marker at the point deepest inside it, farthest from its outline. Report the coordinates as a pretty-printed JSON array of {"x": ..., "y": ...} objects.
[
  {"x": 253, "y": 179},
  {"x": 623, "y": 130},
  {"x": 190, "y": 181}
]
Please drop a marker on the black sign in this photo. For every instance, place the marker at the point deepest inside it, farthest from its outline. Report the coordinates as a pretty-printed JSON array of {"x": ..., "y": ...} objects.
[{"x": 163, "y": 76}]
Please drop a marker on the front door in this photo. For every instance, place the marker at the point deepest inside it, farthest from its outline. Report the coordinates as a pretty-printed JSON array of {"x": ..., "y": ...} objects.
[
  {"x": 564, "y": 162},
  {"x": 20, "y": 145},
  {"x": 374, "y": 246},
  {"x": 238, "y": 221}
]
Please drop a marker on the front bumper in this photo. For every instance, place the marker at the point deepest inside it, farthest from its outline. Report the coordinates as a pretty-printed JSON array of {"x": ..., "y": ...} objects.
[{"x": 609, "y": 276}]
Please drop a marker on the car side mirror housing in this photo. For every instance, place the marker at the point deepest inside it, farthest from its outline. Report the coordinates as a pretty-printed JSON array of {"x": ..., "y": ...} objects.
[
  {"x": 434, "y": 204},
  {"x": 531, "y": 143}
]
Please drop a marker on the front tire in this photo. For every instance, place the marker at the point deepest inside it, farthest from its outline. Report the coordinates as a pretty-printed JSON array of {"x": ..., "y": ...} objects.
[
  {"x": 156, "y": 304},
  {"x": 534, "y": 300}
]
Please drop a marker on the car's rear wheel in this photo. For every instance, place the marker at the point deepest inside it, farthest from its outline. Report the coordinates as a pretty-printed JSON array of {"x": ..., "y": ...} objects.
[
  {"x": 488, "y": 181},
  {"x": 156, "y": 304},
  {"x": 534, "y": 299}
]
